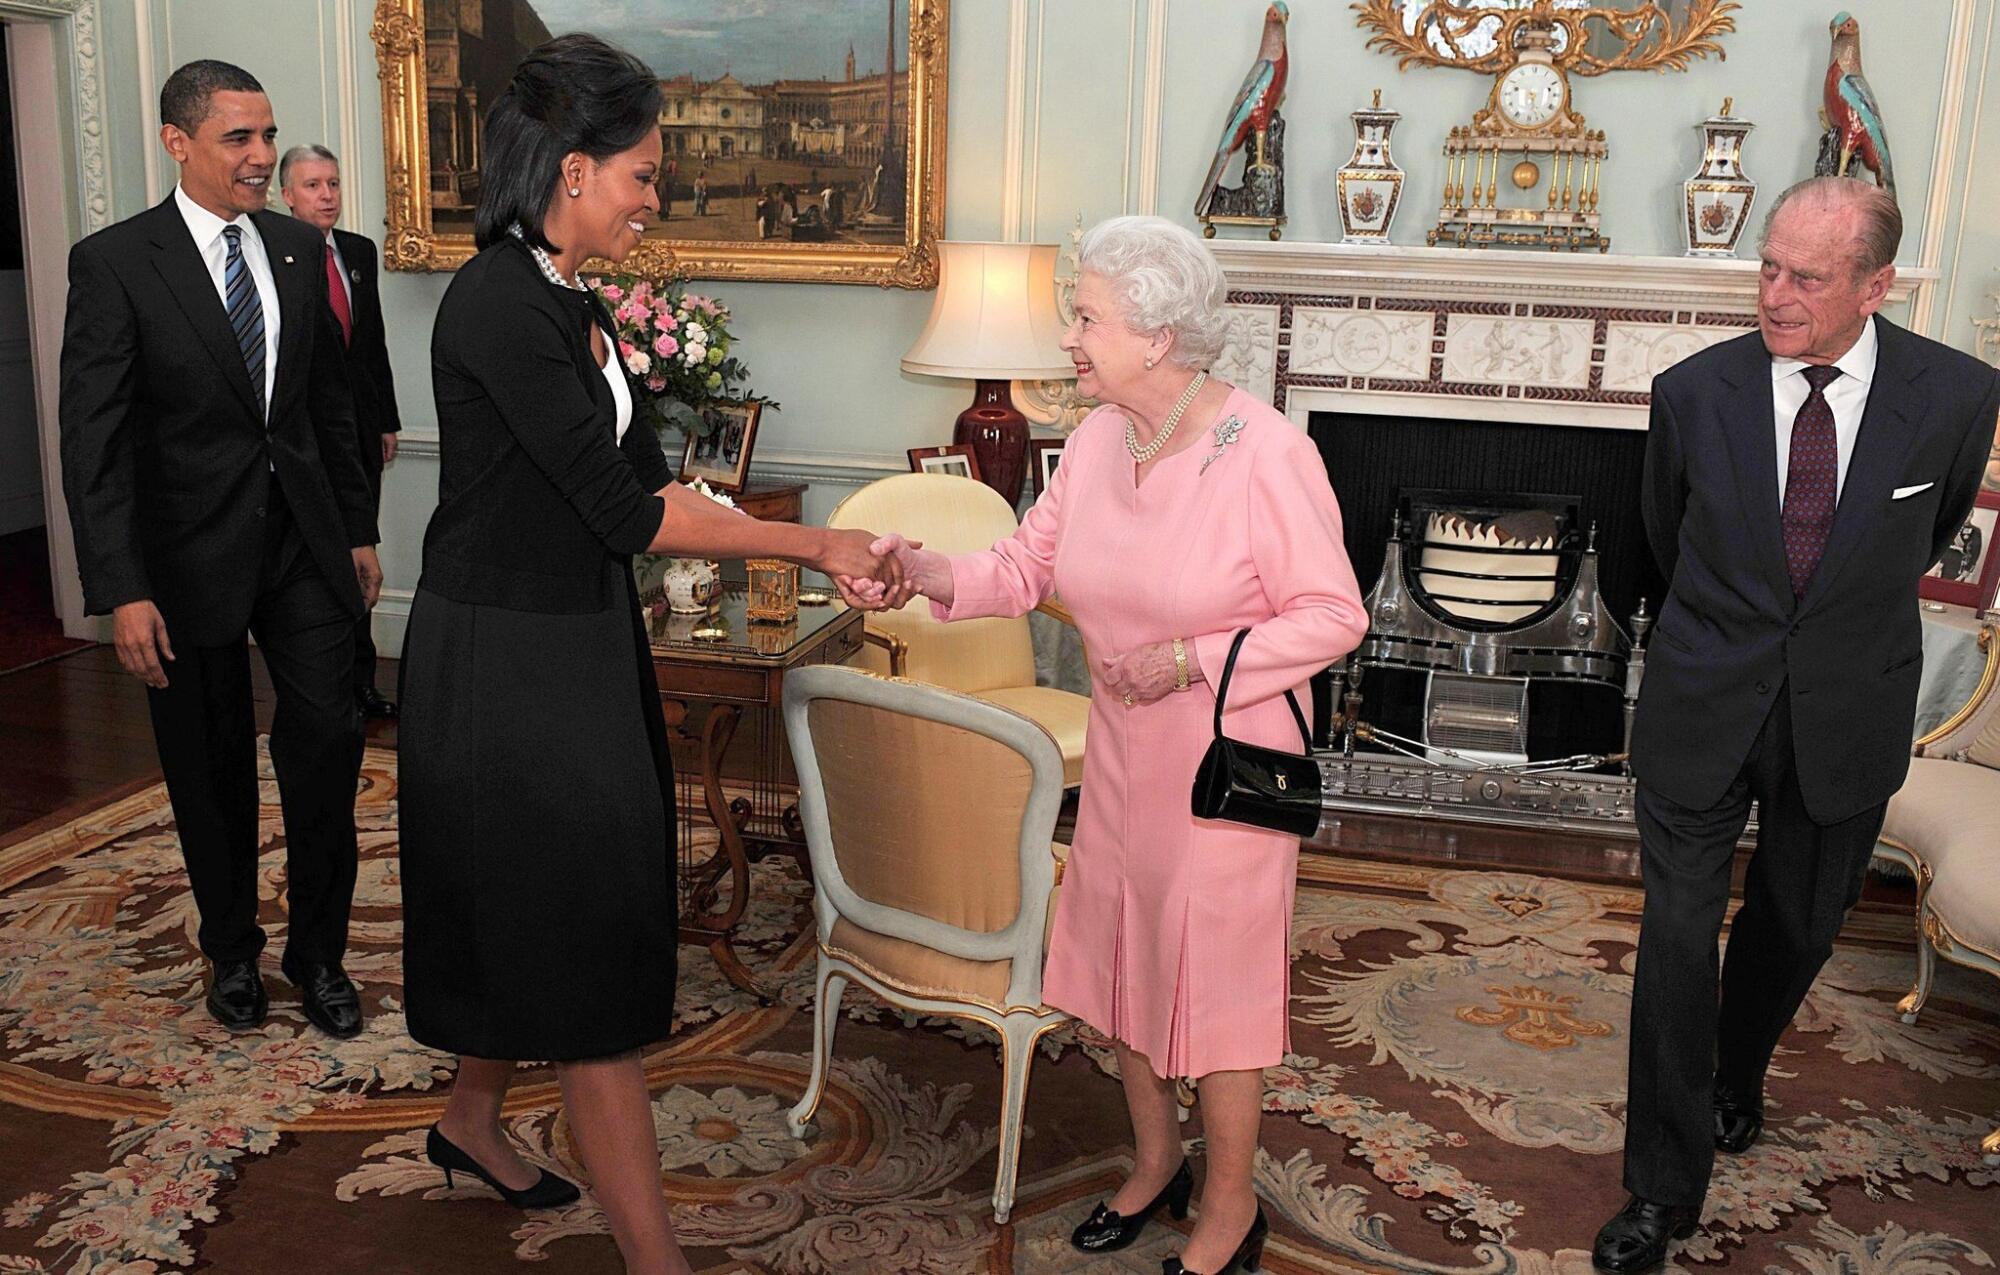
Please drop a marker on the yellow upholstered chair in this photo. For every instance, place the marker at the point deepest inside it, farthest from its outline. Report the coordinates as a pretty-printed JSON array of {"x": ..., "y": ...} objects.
[
  {"x": 931, "y": 892},
  {"x": 991, "y": 658},
  {"x": 1944, "y": 826}
]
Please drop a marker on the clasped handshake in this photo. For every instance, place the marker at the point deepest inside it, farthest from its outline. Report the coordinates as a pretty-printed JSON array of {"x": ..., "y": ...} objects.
[{"x": 881, "y": 573}]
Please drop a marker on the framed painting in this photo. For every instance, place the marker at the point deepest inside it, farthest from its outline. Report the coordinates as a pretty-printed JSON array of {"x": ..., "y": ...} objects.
[
  {"x": 721, "y": 457},
  {"x": 1044, "y": 454},
  {"x": 1970, "y": 567},
  {"x": 803, "y": 142},
  {"x": 955, "y": 459}
]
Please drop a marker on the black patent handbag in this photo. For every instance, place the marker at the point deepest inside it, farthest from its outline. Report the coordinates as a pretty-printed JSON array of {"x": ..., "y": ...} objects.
[{"x": 1249, "y": 784}]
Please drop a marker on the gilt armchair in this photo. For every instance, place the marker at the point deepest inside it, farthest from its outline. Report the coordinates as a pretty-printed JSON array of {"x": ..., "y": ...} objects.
[
  {"x": 993, "y": 659},
  {"x": 1944, "y": 827},
  {"x": 933, "y": 894}
]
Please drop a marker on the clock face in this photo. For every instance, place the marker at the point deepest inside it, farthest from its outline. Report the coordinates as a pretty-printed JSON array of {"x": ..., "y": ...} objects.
[{"x": 1531, "y": 94}]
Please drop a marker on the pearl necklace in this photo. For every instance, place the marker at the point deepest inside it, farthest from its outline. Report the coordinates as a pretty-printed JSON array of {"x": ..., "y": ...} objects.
[
  {"x": 1144, "y": 453},
  {"x": 547, "y": 267}
]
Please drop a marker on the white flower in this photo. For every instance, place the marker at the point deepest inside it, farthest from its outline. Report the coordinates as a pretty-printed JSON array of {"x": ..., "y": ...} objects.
[
  {"x": 701, "y": 488},
  {"x": 695, "y": 355},
  {"x": 694, "y": 333},
  {"x": 638, "y": 363}
]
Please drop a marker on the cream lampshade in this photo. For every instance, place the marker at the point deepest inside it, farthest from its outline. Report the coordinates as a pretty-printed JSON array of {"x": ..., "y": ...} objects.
[{"x": 994, "y": 320}]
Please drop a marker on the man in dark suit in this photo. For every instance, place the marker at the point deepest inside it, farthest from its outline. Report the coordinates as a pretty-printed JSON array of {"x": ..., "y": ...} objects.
[
  {"x": 1798, "y": 482},
  {"x": 309, "y": 179},
  {"x": 208, "y": 449}
]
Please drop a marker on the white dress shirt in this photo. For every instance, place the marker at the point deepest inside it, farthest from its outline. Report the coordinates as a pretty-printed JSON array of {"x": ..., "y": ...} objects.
[
  {"x": 340, "y": 268},
  {"x": 1847, "y": 396},
  {"x": 206, "y": 228}
]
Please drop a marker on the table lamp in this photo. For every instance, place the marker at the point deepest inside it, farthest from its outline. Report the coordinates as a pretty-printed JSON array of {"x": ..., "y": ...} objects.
[{"x": 994, "y": 320}]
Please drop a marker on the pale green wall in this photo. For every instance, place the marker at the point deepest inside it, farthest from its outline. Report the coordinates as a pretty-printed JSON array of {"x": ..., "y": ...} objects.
[{"x": 830, "y": 353}]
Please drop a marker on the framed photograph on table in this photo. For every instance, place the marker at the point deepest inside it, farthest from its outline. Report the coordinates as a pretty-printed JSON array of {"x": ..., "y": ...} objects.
[
  {"x": 1970, "y": 567},
  {"x": 721, "y": 457},
  {"x": 955, "y": 459},
  {"x": 1044, "y": 454}
]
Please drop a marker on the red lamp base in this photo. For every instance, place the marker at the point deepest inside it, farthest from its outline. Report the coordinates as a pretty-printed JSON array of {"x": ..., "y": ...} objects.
[{"x": 999, "y": 437}]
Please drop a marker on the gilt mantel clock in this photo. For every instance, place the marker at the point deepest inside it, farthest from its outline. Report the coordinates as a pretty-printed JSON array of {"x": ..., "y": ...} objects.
[{"x": 1526, "y": 171}]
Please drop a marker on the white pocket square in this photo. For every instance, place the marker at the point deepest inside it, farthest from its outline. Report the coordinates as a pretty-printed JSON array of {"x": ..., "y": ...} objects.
[{"x": 1904, "y": 493}]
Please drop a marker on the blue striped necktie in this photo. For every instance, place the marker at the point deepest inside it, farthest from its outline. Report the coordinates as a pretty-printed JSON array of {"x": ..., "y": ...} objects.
[{"x": 246, "y": 311}]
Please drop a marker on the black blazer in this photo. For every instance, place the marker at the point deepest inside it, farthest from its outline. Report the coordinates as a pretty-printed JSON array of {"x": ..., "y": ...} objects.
[
  {"x": 1730, "y": 636},
  {"x": 368, "y": 349},
  {"x": 539, "y": 508},
  {"x": 166, "y": 464}
]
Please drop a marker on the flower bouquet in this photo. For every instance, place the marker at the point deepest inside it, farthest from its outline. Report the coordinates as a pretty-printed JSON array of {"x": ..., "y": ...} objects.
[{"x": 677, "y": 345}]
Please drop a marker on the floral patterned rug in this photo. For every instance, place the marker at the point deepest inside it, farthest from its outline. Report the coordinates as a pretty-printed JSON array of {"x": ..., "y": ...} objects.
[{"x": 1454, "y": 1107}]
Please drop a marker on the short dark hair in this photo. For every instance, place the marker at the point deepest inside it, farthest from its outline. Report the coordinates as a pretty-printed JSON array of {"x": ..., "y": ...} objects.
[
  {"x": 184, "y": 97},
  {"x": 303, "y": 151},
  {"x": 575, "y": 93}
]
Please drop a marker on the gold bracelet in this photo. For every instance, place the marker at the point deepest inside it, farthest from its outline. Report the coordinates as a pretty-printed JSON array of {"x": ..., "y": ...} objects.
[{"x": 1180, "y": 665}]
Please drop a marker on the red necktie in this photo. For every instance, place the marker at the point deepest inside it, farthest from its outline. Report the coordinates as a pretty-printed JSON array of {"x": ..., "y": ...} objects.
[
  {"x": 1812, "y": 482},
  {"x": 336, "y": 295}
]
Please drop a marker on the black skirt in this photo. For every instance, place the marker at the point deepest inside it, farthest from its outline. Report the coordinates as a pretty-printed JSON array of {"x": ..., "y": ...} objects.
[{"x": 537, "y": 834}]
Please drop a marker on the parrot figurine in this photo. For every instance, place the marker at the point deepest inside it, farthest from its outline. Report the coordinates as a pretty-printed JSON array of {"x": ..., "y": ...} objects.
[
  {"x": 1851, "y": 116},
  {"x": 1262, "y": 89}
]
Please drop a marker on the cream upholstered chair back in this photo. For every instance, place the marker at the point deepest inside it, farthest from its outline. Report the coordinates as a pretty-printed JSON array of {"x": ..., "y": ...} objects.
[
  {"x": 952, "y": 515},
  {"x": 929, "y": 816},
  {"x": 1943, "y": 827}
]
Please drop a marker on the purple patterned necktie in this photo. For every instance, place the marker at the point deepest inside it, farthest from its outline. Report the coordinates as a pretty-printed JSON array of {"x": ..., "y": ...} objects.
[{"x": 1812, "y": 481}]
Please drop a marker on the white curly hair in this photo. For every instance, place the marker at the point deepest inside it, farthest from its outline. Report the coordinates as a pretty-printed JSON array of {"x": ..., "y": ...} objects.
[{"x": 1166, "y": 279}]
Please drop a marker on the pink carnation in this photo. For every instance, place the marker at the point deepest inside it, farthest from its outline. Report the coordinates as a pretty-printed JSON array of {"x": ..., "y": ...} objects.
[
  {"x": 626, "y": 350},
  {"x": 613, "y": 293},
  {"x": 656, "y": 383},
  {"x": 631, "y": 312},
  {"x": 664, "y": 345},
  {"x": 666, "y": 321}
]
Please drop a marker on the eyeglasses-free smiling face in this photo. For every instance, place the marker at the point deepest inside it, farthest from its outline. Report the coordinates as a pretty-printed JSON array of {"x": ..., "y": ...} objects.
[
  {"x": 1812, "y": 294},
  {"x": 226, "y": 163},
  {"x": 1109, "y": 356},
  {"x": 618, "y": 200}
]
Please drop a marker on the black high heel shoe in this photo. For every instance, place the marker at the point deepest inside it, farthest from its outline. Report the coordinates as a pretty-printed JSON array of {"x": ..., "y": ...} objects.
[
  {"x": 1249, "y": 1254},
  {"x": 1107, "y": 1232},
  {"x": 549, "y": 1192}
]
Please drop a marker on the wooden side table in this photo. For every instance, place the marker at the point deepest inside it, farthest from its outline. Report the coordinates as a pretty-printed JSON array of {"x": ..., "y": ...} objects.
[
  {"x": 772, "y": 502},
  {"x": 706, "y": 689}
]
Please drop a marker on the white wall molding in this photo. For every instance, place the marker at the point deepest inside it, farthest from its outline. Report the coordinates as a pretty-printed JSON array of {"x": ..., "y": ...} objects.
[
  {"x": 83, "y": 20},
  {"x": 1952, "y": 276},
  {"x": 1153, "y": 100},
  {"x": 1925, "y": 314},
  {"x": 1014, "y": 124},
  {"x": 149, "y": 99}
]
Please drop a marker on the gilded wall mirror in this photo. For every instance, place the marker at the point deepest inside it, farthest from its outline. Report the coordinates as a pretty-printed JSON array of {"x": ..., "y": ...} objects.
[{"x": 1588, "y": 38}]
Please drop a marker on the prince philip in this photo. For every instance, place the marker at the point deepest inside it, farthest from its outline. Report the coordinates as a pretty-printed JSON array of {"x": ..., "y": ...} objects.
[
  {"x": 1798, "y": 482},
  {"x": 208, "y": 450}
]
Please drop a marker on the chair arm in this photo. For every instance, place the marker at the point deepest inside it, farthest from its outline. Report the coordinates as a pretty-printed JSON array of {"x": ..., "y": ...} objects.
[
  {"x": 1961, "y": 728},
  {"x": 1055, "y": 610},
  {"x": 898, "y": 649}
]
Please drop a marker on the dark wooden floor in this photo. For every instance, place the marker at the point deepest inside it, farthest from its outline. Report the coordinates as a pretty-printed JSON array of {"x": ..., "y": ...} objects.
[{"x": 75, "y": 728}]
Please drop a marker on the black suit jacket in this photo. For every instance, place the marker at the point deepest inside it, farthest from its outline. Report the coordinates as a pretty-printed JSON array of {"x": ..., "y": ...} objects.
[
  {"x": 368, "y": 350},
  {"x": 166, "y": 463},
  {"x": 540, "y": 506},
  {"x": 1731, "y": 637}
]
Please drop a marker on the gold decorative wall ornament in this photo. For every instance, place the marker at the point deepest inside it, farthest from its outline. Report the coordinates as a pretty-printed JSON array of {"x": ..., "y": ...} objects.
[
  {"x": 1531, "y": 48},
  {"x": 1480, "y": 35},
  {"x": 419, "y": 77}
]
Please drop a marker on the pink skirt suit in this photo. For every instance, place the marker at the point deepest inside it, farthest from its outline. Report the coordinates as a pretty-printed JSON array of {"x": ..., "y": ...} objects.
[{"x": 1171, "y": 932}]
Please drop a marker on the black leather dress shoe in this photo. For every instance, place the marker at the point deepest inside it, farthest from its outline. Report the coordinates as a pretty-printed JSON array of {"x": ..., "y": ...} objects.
[
  {"x": 236, "y": 995},
  {"x": 1249, "y": 1255},
  {"x": 547, "y": 1192},
  {"x": 374, "y": 703},
  {"x": 1106, "y": 1232},
  {"x": 1738, "y": 1123},
  {"x": 1636, "y": 1239},
  {"x": 328, "y": 997}
]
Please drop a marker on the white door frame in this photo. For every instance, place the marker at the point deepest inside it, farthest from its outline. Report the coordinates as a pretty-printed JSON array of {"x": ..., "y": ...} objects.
[{"x": 54, "y": 63}]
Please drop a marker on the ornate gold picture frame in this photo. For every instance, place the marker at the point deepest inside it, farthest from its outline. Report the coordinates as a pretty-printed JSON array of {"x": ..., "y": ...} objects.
[{"x": 834, "y": 179}]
